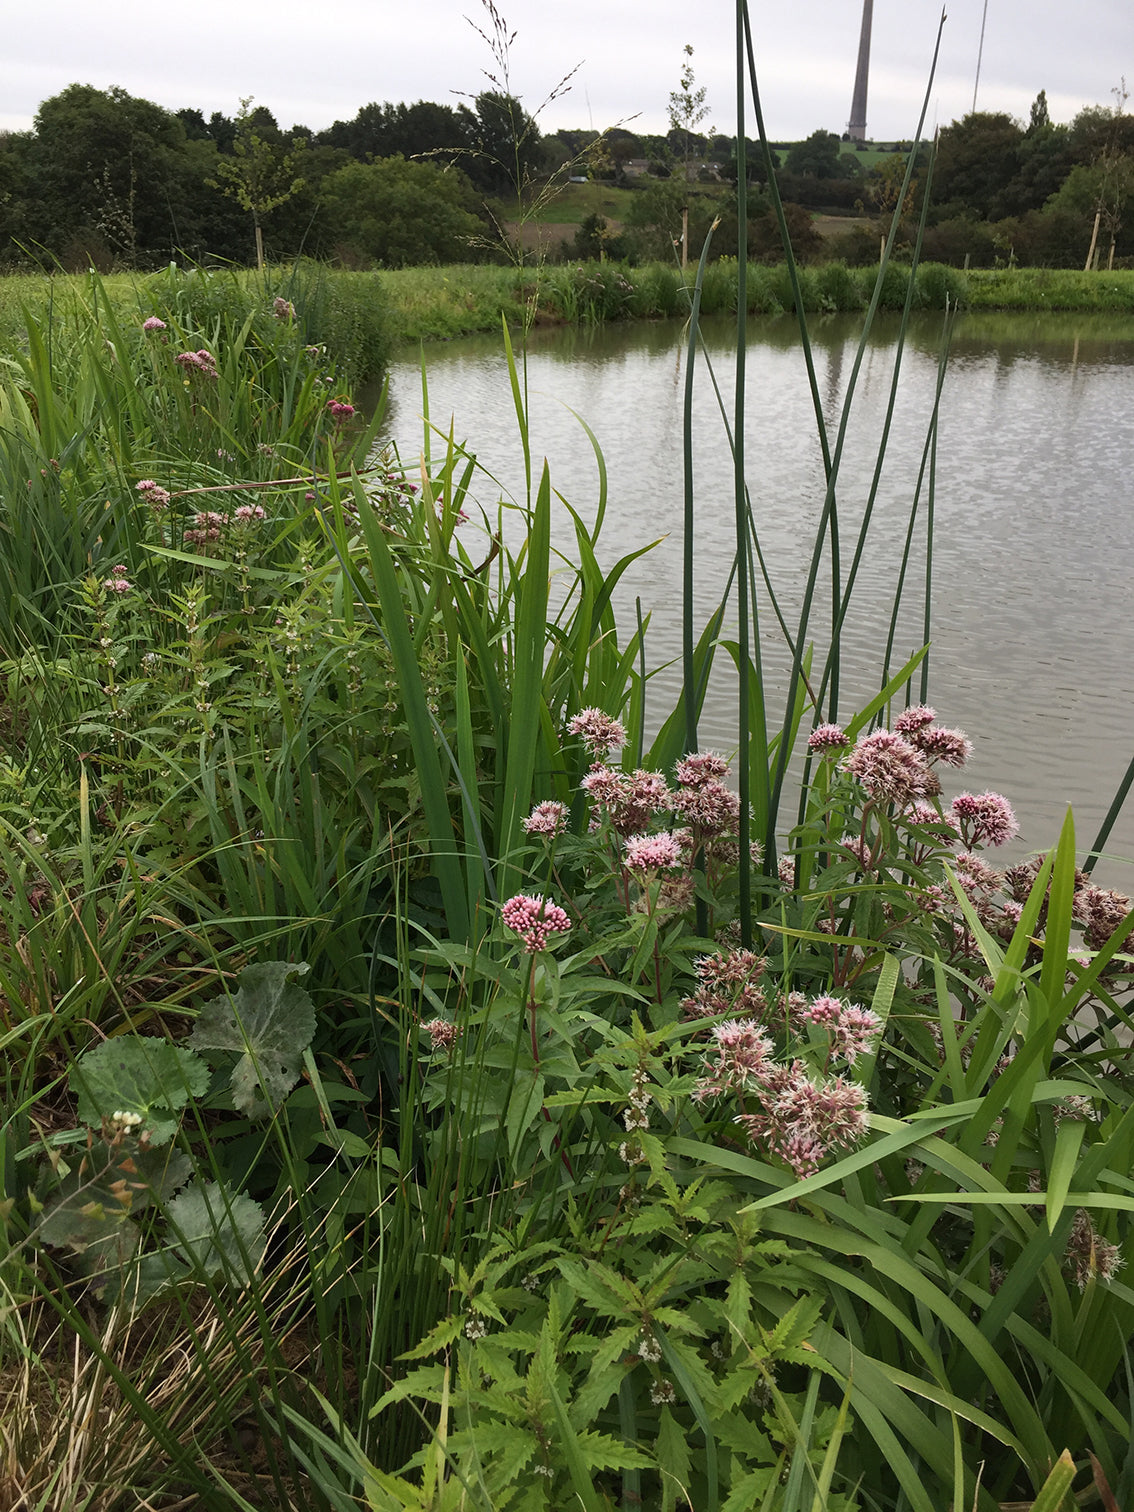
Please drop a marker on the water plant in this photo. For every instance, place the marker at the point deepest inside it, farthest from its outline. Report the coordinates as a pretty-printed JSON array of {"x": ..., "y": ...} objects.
[{"x": 486, "y": 1102}]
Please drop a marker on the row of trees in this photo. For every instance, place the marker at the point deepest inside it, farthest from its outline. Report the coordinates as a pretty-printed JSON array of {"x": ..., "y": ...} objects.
[
  {"x": 109, "y": 178},
  {"x": 112, "y": 179}
]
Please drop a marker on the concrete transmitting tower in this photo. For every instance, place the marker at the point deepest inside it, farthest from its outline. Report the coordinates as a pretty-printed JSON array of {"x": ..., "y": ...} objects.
[{"x": 856, "y": 126}]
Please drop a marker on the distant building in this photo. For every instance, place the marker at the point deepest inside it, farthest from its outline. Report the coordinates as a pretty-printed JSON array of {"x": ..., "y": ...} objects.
[{"x": 856, "y": 126}]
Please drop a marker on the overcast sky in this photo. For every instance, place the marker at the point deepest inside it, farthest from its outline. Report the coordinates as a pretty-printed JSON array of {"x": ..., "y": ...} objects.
[{"x": 313, "y": 64}]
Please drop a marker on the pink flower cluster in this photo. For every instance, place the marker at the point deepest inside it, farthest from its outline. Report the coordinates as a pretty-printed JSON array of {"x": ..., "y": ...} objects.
[
  {"x": 803, "y": 1118},
  {"x": 442, "y": 1034},
  {"x": 249, "y": 514},
  {"x": 983, "y": 818},
  {"x": 629, "y": 801},
  {"x": 283, "y": 309},
  {"x": 548, "y": 819},
  {"x": 890, "y": 769},
  {"x": 207, "y": 527},
  {"x": 896, "y": 766},
  {"x": 198, "y": 362},
  {"x": 644, "y": 854},
  {"x": 707, "y": 806},
  {"x": 152, "y": 323},
  {"x": 157, "y": 498},
  {"x": 339, "y": 410},
  {"x": 851, "y": 1030},
  {"x": 739, "y": 1060},
  {"x": 598, "y": 731},
  {"x": 828, "y": 737},
  {"x": 534, "y": 919},
  {"x": 118, "y": 581},
  {"x": 727, "y": 983},
  {"x": 1100, "y": 911}
]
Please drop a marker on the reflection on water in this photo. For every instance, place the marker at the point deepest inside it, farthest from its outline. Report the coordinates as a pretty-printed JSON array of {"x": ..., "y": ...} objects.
[{"x": 1033, "y": 551}]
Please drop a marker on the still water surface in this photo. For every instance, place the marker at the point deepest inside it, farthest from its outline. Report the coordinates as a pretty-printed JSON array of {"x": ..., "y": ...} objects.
[{"x": 1032, "y": 648}]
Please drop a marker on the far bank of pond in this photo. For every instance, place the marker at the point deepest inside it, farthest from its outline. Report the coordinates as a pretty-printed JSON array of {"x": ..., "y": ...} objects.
[
  {"x": 1033, "y": 643},
  {"x": 429, "y": 304}
]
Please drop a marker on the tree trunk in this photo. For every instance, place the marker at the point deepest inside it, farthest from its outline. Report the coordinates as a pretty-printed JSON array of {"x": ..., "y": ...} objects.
[{"x": 1094, "y": 241}]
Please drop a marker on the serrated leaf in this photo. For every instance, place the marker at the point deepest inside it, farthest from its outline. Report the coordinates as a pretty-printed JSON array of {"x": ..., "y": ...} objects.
[
  {"x": 162, "y": 1171},
  {"x": 216, "y": 1230},
  {"x": 750, "y": 1490},
  {"x": 140, "y": 1074},
  {"x": 269, "y": 1022},
  {"x": 98, "y": 1194}
]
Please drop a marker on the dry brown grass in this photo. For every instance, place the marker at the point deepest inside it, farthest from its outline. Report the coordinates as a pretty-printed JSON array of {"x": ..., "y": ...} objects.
[{"x": 115, "y": 1411}]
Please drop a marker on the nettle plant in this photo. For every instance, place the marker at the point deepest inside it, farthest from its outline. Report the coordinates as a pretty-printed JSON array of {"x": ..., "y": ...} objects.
[{"x": 126, "y": 1199}]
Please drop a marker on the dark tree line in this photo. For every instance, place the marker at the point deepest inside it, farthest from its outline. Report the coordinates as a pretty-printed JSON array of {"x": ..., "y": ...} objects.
[{"x": 107, "y": 178}]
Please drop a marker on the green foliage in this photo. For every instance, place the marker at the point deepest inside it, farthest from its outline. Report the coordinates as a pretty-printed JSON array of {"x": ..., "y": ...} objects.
[
  {"x": 268, "y": 1023},
  {"x": 143, "y": 1076},
  {"x": 397, "y": 214},
  {"x": 790, "y": 1181},
  {"x": 819, "y": 156},
  {"x": 259, "y": 175},
  {"x": 677, "y": 1307},
  {"x": 217, "y": 1233}
]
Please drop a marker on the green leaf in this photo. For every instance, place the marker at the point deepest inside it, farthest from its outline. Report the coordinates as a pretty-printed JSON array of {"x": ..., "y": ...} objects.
[
  {"x": 142, "y": 1075},
  {"x": 218, "y": 1230},
  {"x": 674, "y": 1461},
  {"x": 1057, "y": 1485},
  {"x": 1068, "y": 1143},
  {"x": 572, "y": 1452},
  {"x": 269, "y": 1022}
]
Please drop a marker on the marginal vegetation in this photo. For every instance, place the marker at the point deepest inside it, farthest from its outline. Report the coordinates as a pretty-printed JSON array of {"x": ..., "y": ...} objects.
[{"x": 426, "y": 1087}]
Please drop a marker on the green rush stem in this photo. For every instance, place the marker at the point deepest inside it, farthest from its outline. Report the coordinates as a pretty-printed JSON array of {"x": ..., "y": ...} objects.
[{"x": 744, "y": 879}]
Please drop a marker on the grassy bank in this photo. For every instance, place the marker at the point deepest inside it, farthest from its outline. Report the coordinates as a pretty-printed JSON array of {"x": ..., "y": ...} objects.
[
  {"x": 438, "y": 303},
  {"x": 1050, "y": 289},
  {"x": 362, "y": 316},
  {"x": 343, "y": 312}
]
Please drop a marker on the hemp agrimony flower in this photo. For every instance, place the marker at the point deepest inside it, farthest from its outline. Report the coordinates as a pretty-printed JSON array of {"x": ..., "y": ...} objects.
[
  {"x": 598, "y": 731},
  {"x": 535, "y": 920}
]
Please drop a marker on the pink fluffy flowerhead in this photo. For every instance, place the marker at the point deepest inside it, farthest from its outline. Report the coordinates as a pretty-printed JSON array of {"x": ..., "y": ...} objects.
[
  {"x": 118, "y": 581},
  {"x": 598, "y": 731},
  {"x": 152, "y": 323},
  {"x": 534, "y": 919},
  {"x": 705, "y": 766},
  {"x": 651, "y": 853},
  {"x": 155, "y": 496},
  {"x": 198, "y": 362},
  {"x": 890, "y": 768},
  {"x": 936, "y": 743},
  {"x": 548, "y": 819},
  {"x": 916, "y": 718},
  {"x": 983, "y": 818},
  {"x": 828, "y": 737},
  {"x": 442, "y": 1034}
]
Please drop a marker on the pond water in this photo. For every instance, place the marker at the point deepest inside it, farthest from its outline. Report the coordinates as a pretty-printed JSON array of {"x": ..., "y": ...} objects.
[{"x": 1032, "y": 649}]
